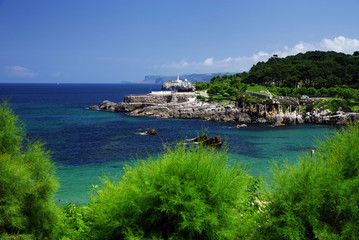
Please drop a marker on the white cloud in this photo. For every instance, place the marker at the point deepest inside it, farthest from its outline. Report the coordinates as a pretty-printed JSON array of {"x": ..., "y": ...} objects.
[
  {"x": 208, "y": 62},
  {"x": 244, "y": 63},
  {"x": 341, "y": 44},
  {"x": 338, "y": 44},
  {"x": 21, "y": 72},
  {"x": 179, "y": 65}
]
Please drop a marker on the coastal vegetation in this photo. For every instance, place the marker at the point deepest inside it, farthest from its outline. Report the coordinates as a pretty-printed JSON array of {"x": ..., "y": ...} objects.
[
  {"x": 196, "y": 191},
  {"x": 330, "y": 75},
  {"x": 27, "y": 184},
  {"x": 187, "y": 192},
  {"x": 315, "y": 69}
]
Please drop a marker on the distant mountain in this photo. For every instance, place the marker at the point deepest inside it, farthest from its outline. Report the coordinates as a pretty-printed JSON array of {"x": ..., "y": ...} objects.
[{"x": 190, "y": 77}]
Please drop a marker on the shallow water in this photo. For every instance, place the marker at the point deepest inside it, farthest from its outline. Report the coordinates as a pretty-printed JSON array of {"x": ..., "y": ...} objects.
[{"x": 87, "y": 144}]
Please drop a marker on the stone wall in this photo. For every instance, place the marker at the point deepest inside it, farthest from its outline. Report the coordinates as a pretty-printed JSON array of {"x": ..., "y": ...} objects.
[
  {"x": 159, "y": 99},
  {"x": 284, "y": 99},
  {"x": 258, "y": 95}
]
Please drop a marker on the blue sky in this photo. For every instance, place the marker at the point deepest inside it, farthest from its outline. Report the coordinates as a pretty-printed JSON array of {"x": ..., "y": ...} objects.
[{"x": 74, "y": 41}]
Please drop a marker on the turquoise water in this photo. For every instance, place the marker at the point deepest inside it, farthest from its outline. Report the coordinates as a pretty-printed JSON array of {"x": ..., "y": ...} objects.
[{"x": 88, "y": 144}]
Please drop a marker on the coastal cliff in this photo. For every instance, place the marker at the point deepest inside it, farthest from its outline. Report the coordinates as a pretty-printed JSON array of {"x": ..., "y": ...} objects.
[{"x": 186, "y": 106}]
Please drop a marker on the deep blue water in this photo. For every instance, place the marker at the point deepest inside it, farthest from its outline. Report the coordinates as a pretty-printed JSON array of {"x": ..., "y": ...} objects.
[{"x": 87, "y": 144}]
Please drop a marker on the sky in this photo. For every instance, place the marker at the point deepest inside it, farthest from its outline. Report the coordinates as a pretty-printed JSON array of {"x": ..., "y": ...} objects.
[{"x": 114, "y": 41}]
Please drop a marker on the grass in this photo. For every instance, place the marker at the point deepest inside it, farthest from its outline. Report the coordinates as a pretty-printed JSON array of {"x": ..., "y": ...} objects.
[{"x": 258, "y": 89}]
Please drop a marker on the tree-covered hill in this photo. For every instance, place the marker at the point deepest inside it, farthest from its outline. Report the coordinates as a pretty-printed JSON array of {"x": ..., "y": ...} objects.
[{"x": 311, "y": 69}]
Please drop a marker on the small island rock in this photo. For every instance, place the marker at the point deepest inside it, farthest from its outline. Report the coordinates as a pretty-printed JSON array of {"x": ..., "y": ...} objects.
[
  {"x": 240, "y": 126},
  {"x": 200, "y": 139},
  {"x": 94, "y": 107},
  {"x": 152, "y": 132},
  {"x": 214, "y": 141},
  {"x": 278, "y": 124}
]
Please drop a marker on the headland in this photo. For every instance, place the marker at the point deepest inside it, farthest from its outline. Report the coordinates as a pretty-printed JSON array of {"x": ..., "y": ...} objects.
[{"x": 167, "y": 104}]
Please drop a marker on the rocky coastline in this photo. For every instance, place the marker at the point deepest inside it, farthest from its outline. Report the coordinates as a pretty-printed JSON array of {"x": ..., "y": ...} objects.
[{"x": 186, "y": 106}]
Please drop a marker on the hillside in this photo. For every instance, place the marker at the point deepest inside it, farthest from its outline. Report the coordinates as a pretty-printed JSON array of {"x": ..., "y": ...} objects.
[{"x": 312, "y": 69}]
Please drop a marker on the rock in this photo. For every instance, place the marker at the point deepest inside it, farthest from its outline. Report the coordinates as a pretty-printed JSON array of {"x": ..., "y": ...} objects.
[
  {"x": 94, "y": 107},
  {"x": 240, "y": 126},
  {"x": 152, "y": 132},
  {"x": 243, "y": 117},
  {"x": 107, "y": 105},
  {"x": 261, "y": 120},
  {"x": 185, "y": 106},
  {"x": 278, "y": 124},
  {"x": 326, "y": 112},
  {"x": 178, "y": 85},
  {"x": 201, "y": 139},
  {"x": 214, "y": 141}
]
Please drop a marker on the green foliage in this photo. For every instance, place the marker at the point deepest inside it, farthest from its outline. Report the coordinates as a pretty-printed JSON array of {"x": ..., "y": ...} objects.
[
  {"x": 11, "y": 134},
  {"x": 312, "y": 69},
  {"x": 75, "y": 225},
  {"x": 318, "y": 197},
  {"x": 27, "y": 183},
  {"x": 257, "y": 89},
  {"x": 201, "y": 98},
  {"x": 246, "y": 98},
  {"x": 333, "y": 104},
  {"x": 186, "y": 193},
  {"x": 225, "y": 87},
  {"x": 200, "y": 85}
]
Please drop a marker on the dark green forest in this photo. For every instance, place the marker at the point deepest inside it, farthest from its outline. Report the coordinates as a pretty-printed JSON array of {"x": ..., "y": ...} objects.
[
  {"x": 311, "y": 69},
  {"x": 314, "y": 74}
]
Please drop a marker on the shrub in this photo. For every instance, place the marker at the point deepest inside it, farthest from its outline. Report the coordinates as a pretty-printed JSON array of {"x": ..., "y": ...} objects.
[
  {"x": 183, "y": 194},
  {"x": 318, "y": 197},
  {"x": 201, "y": 98},
  {"x": 27, "y": 183},
  {"x": 332, "y": 104},
  {"x": 75, "y": 224}
]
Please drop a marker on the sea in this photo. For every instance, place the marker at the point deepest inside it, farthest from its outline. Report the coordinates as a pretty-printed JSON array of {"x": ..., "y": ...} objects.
[{"x": 89, "y": 145}]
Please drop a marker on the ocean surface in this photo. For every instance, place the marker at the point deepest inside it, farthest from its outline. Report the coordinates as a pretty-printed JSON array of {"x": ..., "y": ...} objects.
[{"x": 88, "y": 144}]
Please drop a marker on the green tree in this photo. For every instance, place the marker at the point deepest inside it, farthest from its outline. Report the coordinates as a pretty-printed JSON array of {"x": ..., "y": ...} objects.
[
  {"x": 183, "y": 194},
  {"x": 27, "y": 183},
  {"x": 318, "y": 197}
]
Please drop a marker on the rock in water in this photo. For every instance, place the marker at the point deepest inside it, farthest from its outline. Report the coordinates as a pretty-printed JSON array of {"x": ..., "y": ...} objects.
[
  {"x": 107, "y": 105},
  {"x": 214, "y": 141},
  {"x": 152, "y": 132},
  {"x": 240, "y": 126},
  {"x": 278, "y": 124},
  {"x": 200, "y": 139},
  {"x": 94, "y": 107}
]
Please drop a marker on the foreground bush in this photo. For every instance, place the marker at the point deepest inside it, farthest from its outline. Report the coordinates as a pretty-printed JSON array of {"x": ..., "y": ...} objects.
[
  {"x": 183, "y": 194},
  {"x": 317, "y": 198},
  {"x": 27, "y": 184}
]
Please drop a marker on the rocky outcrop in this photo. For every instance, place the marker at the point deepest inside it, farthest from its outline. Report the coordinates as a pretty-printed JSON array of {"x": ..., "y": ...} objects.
[
  {"x": 185, "y": 106},
  {"x": 240, "y": 126},
  {"x": 94, "y": 107},
  {"x": 107, "y": 105},
  {"x": 178, "y": 85},
  {"x": 200, "y": 139},
  {"x": 327, "y": 117},
  {"x": 151, "y": 132},
  {"x": 278, "y": 124},
  {"x": 214, "y": 141}
]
